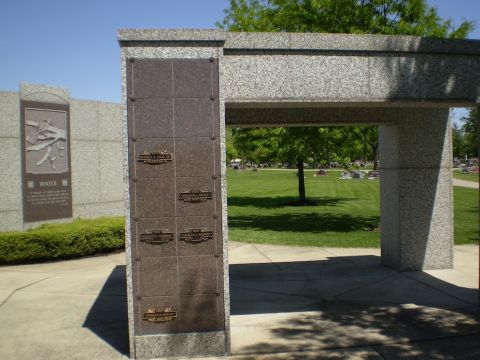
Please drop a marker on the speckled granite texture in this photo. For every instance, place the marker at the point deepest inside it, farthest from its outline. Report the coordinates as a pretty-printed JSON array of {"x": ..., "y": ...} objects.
[
  {"x": 185, "y": 345},
  {"x": 416, "y": 191},
  {"x": 405, "y": 84},
  {"x": 95, "y": 134}
]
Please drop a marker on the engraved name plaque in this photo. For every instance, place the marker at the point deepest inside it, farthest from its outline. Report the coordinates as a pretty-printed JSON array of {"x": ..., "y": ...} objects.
[
  {"x": 160, "y": 315},
  {"x": 156, "y": 237},
  {"x": 195, "y": 196},
  {"x": 155, "y": 157},
  {"x": 196, "y": 235}
]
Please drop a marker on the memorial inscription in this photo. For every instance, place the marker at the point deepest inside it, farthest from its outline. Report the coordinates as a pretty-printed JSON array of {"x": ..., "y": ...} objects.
[
  {"x": 46, "y": 161},
  {"x": 196, "y": 235},
  {"x": 155, "y": 157},
  {"x": 195, "y": 196},
  {"x": 157, "y": 237},
  {"x": 160, "y": 315}
]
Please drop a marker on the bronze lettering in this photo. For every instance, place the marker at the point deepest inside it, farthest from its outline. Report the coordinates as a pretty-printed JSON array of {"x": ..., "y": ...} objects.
[
  {"x": 156, "y": 237},
  {"x": 195, "y": 196},
  {"x": 160, "y": 315},
  {"x": 196, "y": 235},
  {"x": 155, "y": 157}
]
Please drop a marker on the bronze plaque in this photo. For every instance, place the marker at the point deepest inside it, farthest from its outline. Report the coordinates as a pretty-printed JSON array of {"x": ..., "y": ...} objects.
[
  {"x": 195, "y": 196},
  {"x": 196, "y": 235},
  {"x": 155, "y": 157},
  {"x": 159, "y": 315},
  {"x": 156, "y": 237},
  {"x": 47, "y": 188}
]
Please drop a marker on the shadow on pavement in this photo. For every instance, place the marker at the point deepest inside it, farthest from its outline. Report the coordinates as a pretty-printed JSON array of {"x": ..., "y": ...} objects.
[
  {"x": 108, "y": 317},
  {"x": 352, "y": 301}
]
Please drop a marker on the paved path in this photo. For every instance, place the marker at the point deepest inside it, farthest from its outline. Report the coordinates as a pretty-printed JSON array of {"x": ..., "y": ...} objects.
[
  {"x": 286, "y": 303},
  {"x": 465, "y": 183}
]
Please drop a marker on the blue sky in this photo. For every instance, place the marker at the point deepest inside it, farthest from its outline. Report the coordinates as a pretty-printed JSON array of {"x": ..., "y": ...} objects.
[{"x": 73, "y": 43}]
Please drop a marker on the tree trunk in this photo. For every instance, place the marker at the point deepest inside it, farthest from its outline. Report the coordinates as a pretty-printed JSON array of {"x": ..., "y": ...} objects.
[
  {"x": 301, "y": 182},
  {"x": 375, "y": 156}
]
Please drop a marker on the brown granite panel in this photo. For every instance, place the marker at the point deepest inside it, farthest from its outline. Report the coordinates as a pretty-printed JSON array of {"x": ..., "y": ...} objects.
[
  {"x": 195, "y": 117},
  {"x": 154, "y": 198},
  {"x": 142, "y": 170},
  {"x": 221, "y": 311},
  {"x": 197, "y": 275},
  {"x": 201, "y": 248},
  {"x": 157, "y": 276},
  {"x": 220, "y": 273},
  {"x": 151, "y": 78},
  {"x": 168, "y": 327},
  {"x": 195, "y": 209},
  {"x": 219, "y": 237},
  {"x": 194, "y": 157},
  {"x": 193, "y": 78},
  {"x": 199, "y": 313},
  {"x": 151, "y": 118},
  {"x": 146, "y": 225},
  {"x": 218, "y": 164}
]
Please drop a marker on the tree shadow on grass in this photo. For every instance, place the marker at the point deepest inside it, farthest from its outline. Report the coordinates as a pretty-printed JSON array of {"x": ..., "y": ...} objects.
[
  {"x": 312, "y": 222},
  {"x": 282, "y": 201}
]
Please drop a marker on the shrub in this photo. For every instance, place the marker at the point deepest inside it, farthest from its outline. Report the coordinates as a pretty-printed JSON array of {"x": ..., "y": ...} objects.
[{"x": 63, "y": 241}]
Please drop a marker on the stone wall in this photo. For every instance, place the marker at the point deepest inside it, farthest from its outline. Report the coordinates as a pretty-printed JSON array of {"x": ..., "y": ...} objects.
[{"x": 96, "y": 159}]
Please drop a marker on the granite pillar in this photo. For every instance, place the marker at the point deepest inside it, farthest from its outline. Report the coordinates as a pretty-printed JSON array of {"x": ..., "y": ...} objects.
[
  {"x": 175, "y": 243},
  {"x": 416, "y": 190}
]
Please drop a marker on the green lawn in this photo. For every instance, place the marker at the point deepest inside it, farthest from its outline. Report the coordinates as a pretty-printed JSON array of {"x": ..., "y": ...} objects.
[
  {"x": 347, "y": 214},
  {"x": 470, "y": 177}
]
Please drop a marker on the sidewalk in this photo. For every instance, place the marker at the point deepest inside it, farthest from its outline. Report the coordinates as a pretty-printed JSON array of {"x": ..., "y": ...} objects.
[
  {"x": 286, "y": 303},
  {"x": 465, "y": 183}
]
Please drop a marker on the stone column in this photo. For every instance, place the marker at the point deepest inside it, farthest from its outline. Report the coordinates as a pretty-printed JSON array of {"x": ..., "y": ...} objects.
[
  {"x": 416, "y": 190},
  {"x": 173, "y": 142}
]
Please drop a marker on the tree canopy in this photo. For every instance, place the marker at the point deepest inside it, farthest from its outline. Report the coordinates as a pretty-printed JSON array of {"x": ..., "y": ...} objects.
[
  {"x": 391, "y": 17},
  {"x": 465, "y": 137}
]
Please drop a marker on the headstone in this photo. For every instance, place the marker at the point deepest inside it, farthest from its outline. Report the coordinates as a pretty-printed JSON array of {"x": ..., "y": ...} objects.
[
  {"x": 358, "y": 174},
  {"x": 321, "y": 172},
  {"x": 373, "y": 174},
  {"x": 345, "y": 175}
]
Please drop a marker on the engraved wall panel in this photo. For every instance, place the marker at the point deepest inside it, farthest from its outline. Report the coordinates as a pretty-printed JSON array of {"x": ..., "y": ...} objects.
[
  {"x": 153, "y": 158},
  {"x": 174, "y": 168},
  {"x": 46, "y": 165},
  {"x": 143, "y": 304},
  {"x": 145, "y": 246}
]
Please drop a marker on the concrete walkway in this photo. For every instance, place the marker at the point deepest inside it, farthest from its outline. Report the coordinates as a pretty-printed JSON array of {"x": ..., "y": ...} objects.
[
  {"x": 286, "y": 303},
  {"x": 465, "y": 183}
]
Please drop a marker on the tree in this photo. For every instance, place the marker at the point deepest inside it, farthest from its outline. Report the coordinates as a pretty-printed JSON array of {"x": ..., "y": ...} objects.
[
  {"x": 392, "y": 17},
  {"x": 458, "y": 141},
  {"x": 471, "y": 133},
  {"x": 232, "y": 152}
]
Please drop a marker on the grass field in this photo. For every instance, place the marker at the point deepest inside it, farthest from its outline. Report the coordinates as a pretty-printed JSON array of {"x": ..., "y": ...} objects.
[
  {"x": 347, "y": 213},
  {"x": 470, "y": 177}
]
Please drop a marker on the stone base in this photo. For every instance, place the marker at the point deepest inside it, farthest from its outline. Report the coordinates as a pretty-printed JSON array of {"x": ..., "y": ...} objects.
[{"x": 191, "y": 344}]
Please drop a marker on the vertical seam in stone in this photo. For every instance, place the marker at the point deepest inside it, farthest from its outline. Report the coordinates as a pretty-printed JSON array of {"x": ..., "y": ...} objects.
[
  {"x": 177, "y": 257},
  {"x": 215, "y": 195},
  {"x": 135, "y": 264},
  {"x": 128, "y": 222}
]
